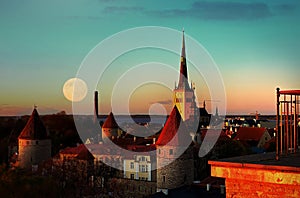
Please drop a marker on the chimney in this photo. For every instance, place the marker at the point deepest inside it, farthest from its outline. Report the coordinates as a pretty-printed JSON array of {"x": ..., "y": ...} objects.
[{"x": 96, "y": 116}]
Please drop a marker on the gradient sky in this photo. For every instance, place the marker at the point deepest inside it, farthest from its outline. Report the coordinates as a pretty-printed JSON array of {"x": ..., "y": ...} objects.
[{"x": 42, "y": 44}]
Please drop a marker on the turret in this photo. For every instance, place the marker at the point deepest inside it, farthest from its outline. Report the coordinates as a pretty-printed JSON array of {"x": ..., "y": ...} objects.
[{"x": 34, "y": 144}]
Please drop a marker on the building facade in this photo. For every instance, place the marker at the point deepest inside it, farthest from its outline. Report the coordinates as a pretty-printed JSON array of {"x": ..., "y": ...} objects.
[{"x": 138, "y": 168}]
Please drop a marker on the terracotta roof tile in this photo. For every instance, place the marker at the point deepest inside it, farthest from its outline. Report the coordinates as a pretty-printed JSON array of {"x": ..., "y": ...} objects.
[
  {"x": 34, "y": 129},
  {"x": 250, "y": 133},
  {"x": 80, "y": 151},
  {"x": 110, "y": 122},
  {"x": 174, "y": 125}
]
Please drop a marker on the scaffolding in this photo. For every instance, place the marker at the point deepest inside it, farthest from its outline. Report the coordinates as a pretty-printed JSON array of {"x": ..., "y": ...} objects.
[{"x": 287, "y": 122}]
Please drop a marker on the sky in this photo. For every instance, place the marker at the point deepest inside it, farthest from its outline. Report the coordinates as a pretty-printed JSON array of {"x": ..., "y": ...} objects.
[{"x": 43, "y": 43}]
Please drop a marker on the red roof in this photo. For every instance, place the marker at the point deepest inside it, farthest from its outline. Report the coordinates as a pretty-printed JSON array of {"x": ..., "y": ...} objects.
[
  {"x": 80, "y": 151},
  {"x": 34, "y": 129},
  {"x": 73, "y": 150},
  {"x": 85, "y": 154},
  {"x": 222, "y": 135},
  {"x": 174, "y": 125},
  {"x": 110, "y": 122},
  {"x": 250, "y": 133},
  {"x": 268, "y": 143},
  {"x": 292, "y": 92}
]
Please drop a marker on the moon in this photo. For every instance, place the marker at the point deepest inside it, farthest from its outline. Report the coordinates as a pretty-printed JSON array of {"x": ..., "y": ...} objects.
[{"x": 75, "y": 89}]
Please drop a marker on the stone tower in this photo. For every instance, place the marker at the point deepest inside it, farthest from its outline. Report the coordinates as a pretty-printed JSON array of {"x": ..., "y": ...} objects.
[
  {"x": 110, "y": 128},
  {"x": 34, "y": 144},
  {"x": 183, "y": 94},
  {"x": 174, "y": 154}
]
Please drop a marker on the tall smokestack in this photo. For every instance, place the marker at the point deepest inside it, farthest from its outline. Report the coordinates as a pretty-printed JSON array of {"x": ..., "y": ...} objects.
[{"x": 96, "y": 106}]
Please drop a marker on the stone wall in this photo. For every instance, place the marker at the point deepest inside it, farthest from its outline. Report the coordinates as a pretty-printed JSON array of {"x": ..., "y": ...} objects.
[
  {"x": 178, "y": 173},
  {"x": 32, "y": 152},
  {"x": 245, "y": 188},
  {"x": 125, "y": 188},
  {"x": 258, "y": 180}
]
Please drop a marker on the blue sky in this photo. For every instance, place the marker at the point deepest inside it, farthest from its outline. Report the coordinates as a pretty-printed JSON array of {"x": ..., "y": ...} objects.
[{"x": 42, "y": 44}]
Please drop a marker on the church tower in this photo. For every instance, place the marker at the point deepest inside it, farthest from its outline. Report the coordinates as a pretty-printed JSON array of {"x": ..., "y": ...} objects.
[
  {"x": 34, "y": 144},
  {"x": 183, "y": 94}
]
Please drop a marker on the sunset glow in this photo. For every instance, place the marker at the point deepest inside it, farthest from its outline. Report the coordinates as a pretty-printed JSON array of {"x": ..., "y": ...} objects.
[{"x": 44, "y": 44}]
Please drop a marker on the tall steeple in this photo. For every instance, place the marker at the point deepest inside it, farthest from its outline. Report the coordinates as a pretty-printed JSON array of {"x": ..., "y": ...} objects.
[{"x": 183, "y": 78}]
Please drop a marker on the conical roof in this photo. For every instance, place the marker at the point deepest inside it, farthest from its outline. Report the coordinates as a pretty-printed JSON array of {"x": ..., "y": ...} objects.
[
  {"x": 110, "y": 122},
  {"x": 174, "y": 126},
  {"x": 183, "y": 76},
  {"x": 34, "y": 129}
]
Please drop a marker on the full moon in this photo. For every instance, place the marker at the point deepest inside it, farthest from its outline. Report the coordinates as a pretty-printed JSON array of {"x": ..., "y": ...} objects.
[{"x": 75, "y": 89}]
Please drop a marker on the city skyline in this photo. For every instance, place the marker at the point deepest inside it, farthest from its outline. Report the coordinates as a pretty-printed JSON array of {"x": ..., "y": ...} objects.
[{"x": 255, "y": 46}]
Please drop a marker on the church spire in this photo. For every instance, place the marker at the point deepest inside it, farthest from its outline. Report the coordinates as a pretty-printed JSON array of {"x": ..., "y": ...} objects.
[{"x": 183, "y": 78}]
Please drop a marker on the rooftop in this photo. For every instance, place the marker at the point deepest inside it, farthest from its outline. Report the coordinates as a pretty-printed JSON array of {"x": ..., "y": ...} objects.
[
  {"x": 250, "y": 133},
  {"x": 110, "y": 122},
  {"x": 34, "y": 129},
  {"x": 174, "y": 131},
  {"x": 290, "y": 162}
]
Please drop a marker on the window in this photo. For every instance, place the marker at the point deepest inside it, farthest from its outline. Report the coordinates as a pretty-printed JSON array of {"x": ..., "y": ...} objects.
[
  {"x": 143, "y": 159},
  {"x": 131, "y": 165},
  {"x": 143, "y": 168},
  {"x": 131, "y": 176},
  {"x": 171, "y": 152},
  {"x": 37, "y": 142},
  {"x": 158, "y": 151},
  {"x": 164, "y": 178}
]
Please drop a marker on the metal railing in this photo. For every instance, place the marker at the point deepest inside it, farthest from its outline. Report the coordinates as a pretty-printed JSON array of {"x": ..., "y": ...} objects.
[{"x": 287, "y": 121}]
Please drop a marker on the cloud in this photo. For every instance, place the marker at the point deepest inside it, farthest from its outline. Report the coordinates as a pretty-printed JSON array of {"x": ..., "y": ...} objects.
[
  {"x": 283, "y": 9},
  {"x": 220, "y": 10},
  {"x": 230, "y": 10},
  {"x": 163, "y": 102},
  {"x": 122, "y": 9},
  {"x": 15, "y": 110}
]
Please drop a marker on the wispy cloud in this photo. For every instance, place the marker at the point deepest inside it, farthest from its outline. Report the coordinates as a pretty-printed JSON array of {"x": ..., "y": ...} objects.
[
  {"x": 15, "y": 110},
  {"x": 123, "y": 9},
  {"x": 163, "y": 102},
  {"x": 220, "y": 10},
  {"x": 283, "y": 9}
]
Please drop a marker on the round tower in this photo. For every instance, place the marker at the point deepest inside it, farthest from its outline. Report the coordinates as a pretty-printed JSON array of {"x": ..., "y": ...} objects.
[
  {"x": 174, "y": 155},
  {"x": 110, "y": 128},
  {"x": 34, "y": 144}
]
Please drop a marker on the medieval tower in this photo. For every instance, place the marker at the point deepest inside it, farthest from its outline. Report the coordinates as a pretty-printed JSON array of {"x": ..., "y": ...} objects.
[
  {"x": 183, "y": 94},
  {"x": 173, "y": 148},
  {"x": 110, "y": 128},
  {"x": 34, "y": 144},
  {"x": 174, "y": 154}
]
